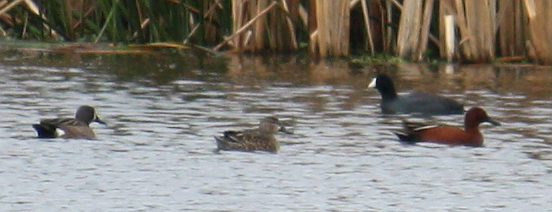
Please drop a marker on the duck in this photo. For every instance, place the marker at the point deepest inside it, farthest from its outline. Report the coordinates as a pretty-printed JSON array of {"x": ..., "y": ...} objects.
[
  {"x": 70, "y": 128},
  {"x": 413, "y": 103},
  {"x": 449, "y": 135},
  {"x": 261, "y": 139}
]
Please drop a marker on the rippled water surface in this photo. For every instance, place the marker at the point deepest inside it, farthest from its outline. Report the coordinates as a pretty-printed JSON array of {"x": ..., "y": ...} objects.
[{"x": 158, "y": 153}]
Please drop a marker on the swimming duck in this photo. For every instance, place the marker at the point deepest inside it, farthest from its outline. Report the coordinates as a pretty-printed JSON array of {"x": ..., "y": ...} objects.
[
  {"x": 77, "y": 127},
  {"x": 254, "y": 139},
  {"x": 470, "y": 136}
]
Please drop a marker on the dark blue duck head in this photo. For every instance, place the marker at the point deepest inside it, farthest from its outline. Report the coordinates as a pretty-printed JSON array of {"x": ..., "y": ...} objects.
[{"x": 88, "y": 115}]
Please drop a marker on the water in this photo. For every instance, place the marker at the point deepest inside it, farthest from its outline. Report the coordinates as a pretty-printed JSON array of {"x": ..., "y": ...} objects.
[{"x": 158, "y": 151}]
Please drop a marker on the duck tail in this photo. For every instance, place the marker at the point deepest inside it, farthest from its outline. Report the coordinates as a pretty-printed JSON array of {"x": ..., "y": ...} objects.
[
  {"x": 409, "y": 131},
  {"x": 406, "y": 137},
  {"x": 45, "y": 131},
  {"x": 221, "y": 143}
]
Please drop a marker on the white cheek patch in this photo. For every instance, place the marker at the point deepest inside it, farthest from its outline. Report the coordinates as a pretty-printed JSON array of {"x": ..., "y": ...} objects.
[{"x": 60, "y": 132}]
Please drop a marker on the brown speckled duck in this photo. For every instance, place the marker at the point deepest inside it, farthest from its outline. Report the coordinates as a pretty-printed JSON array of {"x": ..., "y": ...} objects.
[{"x": 261, "y": 139}]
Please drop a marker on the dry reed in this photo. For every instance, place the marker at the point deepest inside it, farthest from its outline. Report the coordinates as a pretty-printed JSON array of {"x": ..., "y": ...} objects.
[
  {"x": 262, "y": 25},
  {"x": 484, "y": 28},
  {"x": 511, "y": 30},
  {"x": 331, "y": 36},
  {"x": 540, "y": 22},
  {"x": 408, "y": 36}
]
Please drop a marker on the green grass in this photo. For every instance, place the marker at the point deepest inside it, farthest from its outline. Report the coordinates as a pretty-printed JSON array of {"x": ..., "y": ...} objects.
[{"x": 116, "y": 21}]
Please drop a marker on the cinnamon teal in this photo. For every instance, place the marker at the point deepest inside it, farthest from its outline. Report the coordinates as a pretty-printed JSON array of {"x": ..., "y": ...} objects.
[
  {"x": 470, "y": 136},
  {"x": 77, "y": 127}
]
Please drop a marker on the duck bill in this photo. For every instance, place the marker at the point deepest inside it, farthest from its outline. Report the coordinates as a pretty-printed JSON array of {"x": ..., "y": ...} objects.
[
  {"x": 493, "y": 122},
  {"x": 284, "y": 130},
  {"x": 372, "y": 84},
  {"x": 97, "y": 119}
]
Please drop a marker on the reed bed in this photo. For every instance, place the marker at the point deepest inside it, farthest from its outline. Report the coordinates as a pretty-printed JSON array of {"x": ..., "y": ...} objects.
[
  {"x": 409, "y": 32},
  {"x": 511, "y": 32},
  {"x": 262, "y": 25},
  {"x": 540, "y": 29},
  {"x": 461, "y": 30}
]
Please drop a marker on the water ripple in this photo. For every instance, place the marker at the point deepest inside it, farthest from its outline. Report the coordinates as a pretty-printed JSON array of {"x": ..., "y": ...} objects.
[{"x": 157, "y": 152}]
